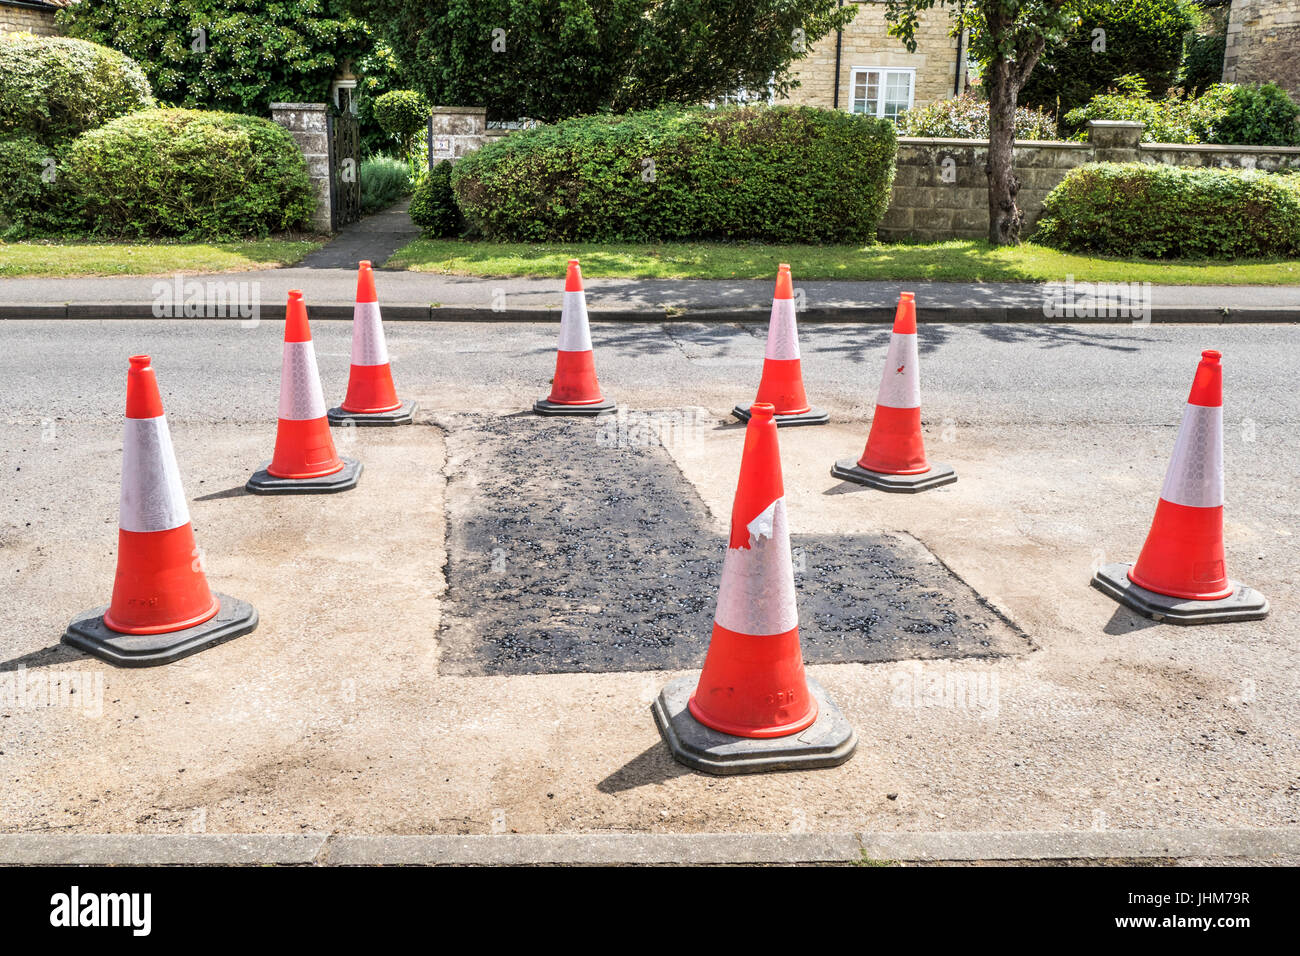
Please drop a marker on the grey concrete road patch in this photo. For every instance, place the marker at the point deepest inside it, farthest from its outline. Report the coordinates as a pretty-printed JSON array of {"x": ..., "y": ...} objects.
[
  {"x": 159, "y": 849},
  {"x": 578, "y": 546}
]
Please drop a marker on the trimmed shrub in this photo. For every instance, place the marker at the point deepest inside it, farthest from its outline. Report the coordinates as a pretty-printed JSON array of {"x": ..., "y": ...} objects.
[
  {"x": 1171, "y": 212},
  {"x": 36, "y": 198},
  {"x": 384, "y": 180},
  {"x": 433, "y": 207},
  {"x": 967, "y": 117},
  {"x": 190, "y": 174},
  {"x": 54, "y": 88},
  {"x": 1169, "y": 120},
  {"x": 780, "y": 174}
]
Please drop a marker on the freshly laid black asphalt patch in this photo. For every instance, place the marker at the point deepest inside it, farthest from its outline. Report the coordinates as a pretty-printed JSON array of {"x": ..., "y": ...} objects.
[{"x": 569, "y": 552}]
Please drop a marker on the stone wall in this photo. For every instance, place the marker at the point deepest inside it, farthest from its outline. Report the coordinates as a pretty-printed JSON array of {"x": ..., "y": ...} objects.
[
  {"x": 308, "y": 123},
  {"x": 27, "y": 18},
  {"x": 866, "y": 43},
  {"x": 941, "y": 190},
  {"x": 1264, "y": 43},
  {"x": 455, "y": 131}
]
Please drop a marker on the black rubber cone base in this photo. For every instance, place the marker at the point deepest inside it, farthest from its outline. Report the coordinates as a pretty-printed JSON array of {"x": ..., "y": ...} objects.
[
  {"x": 544, "y": 407},
  {"x": 1243, "y": 604},
  {"x": 405, "y": 415},
  {"x": 827, "y": 743},
  {"x": 265, "y": 483},
  {"x": 849, "y": 470},
  {"x": 814, "y": 416},
  {"x": 89, "y": 633}
]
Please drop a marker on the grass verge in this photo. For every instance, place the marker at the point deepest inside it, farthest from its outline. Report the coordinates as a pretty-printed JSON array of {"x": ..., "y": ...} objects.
[
  {"x": 68, "y": 259},
  {"x": 953, "y": 261}
]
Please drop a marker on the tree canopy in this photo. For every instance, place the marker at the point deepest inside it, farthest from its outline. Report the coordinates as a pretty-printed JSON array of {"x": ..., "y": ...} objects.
[{"x": 550, "y": 59}]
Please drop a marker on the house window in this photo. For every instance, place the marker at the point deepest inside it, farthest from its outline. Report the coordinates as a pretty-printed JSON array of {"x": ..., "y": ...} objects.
[{"x": 882, "y": 92}]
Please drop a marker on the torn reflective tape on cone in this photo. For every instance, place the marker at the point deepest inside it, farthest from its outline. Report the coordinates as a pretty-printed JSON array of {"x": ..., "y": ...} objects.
[
  {"x": 152, "y": 498},
  {"x": 301, "y": 398},
  {"x": 757, "y": 595},
  {"x": 368, "y": 345},
  {"x": 1195, "y": 474},
  {"x": 575, "y": 335}
]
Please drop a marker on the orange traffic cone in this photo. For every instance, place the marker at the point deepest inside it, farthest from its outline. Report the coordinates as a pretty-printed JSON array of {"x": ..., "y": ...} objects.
[
  {"x": 782, "y": 383},
  {"x": 894, "y": 459},
  {"x": 161, "y": 609},
  {"x": 371, "y": 398},
  {"x": 574, "y": 390},
  {"x": 753, "y": 708},
  {"x": 1180, "y": 576},
  {"x": 305, "y": 461}
]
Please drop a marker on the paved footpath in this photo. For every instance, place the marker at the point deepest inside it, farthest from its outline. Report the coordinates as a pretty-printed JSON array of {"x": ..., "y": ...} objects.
[{"x": 330, "y": 290}]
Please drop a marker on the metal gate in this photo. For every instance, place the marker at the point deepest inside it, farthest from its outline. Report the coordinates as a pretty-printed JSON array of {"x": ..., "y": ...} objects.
[{"x": 345, "y": 160}]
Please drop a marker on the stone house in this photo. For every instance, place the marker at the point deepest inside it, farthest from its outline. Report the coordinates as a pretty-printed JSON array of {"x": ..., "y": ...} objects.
[
  {"x": 30, "y": 16},
  {"x": 1264, "y": 43},
  {"x": 865, "y": 70}
]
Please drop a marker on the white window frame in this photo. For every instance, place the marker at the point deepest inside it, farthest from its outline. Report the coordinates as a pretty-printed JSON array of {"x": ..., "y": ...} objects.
[
  {"x": 351, "y": 87},
  {"x": 884, "y": 72}
]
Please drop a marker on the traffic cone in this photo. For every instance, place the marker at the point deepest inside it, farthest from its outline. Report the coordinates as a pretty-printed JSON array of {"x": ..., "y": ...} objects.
[
  {"x": 371, "y": 398},
  {"x": 574, "y": 390},
  {"x": 753, "y": 708},
  {"x": 1180, "y": 576},
  {"x": 162, "y": 609},
  {"x": 782, "y": 383},
  {"x": 305, "y": 461},
  {"x": 894, "y": 459}
]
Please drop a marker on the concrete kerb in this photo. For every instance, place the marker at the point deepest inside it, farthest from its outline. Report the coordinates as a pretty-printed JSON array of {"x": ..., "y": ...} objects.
[
  {"x": 867, "y": 315},
  {"x": 320, "y": 849}
]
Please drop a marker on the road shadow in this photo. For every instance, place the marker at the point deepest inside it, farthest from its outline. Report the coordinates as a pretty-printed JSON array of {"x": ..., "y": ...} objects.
[
  {"x": 1125, "y": 621},
  {"x": 654, "y": 765},
  {"x": 239, "y": 491},
  {"x": 47, "y": 656}
]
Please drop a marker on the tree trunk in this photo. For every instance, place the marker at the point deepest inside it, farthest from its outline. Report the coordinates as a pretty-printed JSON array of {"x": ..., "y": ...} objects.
[{"x": 1005, "y": 217}]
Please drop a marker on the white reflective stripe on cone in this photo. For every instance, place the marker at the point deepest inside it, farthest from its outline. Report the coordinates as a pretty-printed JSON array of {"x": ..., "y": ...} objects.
[
  {"x": 152, "y": 496},
  {"x": 900, "y": 386},
  {"x": 782, "y": 331},
  {"x": 368, "y": 345},
  {"x": 757, "y": 591},
  {"x": 1195, "y": 475},
  {"x": 300, "y": 394},
  {"x": 575, "y": 336}
]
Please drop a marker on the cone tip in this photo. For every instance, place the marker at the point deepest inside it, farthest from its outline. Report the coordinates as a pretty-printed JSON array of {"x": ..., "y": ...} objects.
[
  {"x": 140, "y": 361},
  {"x": 573, "y": 278},
  {"x": 1212, "y": 355},
  {"x": 296, "y": 328},
  {"x": 762, "y": 411},
  {"x": 784, "y": 284},
  {"x": 364, "y": 264}
]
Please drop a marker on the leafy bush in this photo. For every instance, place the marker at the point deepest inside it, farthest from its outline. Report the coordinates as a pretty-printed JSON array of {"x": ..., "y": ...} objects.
[
  {"x": 1170, "y": 212},
  {"x": 433, "y": 207},
  {"x": 1228, "y": 114},
  {"x": 1257, "y": 116},
  {"x": 35, "y": 198},
  {"x": 1142, "y": 37},
  {"x": 784, "y": 174},
  {"x": 53, "y": 88},
  {"x": 384, "y": 180},
  {"x": 967, "y": 117},
  {"x": 238, "y": 55},
  {"x": 1203, "y": 62},
  {"x": 191, "y": 174}
]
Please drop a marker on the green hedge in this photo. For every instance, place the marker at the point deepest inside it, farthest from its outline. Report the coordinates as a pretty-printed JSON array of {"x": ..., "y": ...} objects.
[
  {"x": 433, "y": 207},
  {"x": 780, "y": 174},
  {"x": 1171, "y": 212},
  {"x": 53, "y": 88},
  {"x": 384, "y": 180},
  {"x": 190, "y": 174}
]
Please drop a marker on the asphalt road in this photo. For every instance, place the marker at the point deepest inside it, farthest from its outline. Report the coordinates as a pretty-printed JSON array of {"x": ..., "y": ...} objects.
[{"x": 213, "y": 371}]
